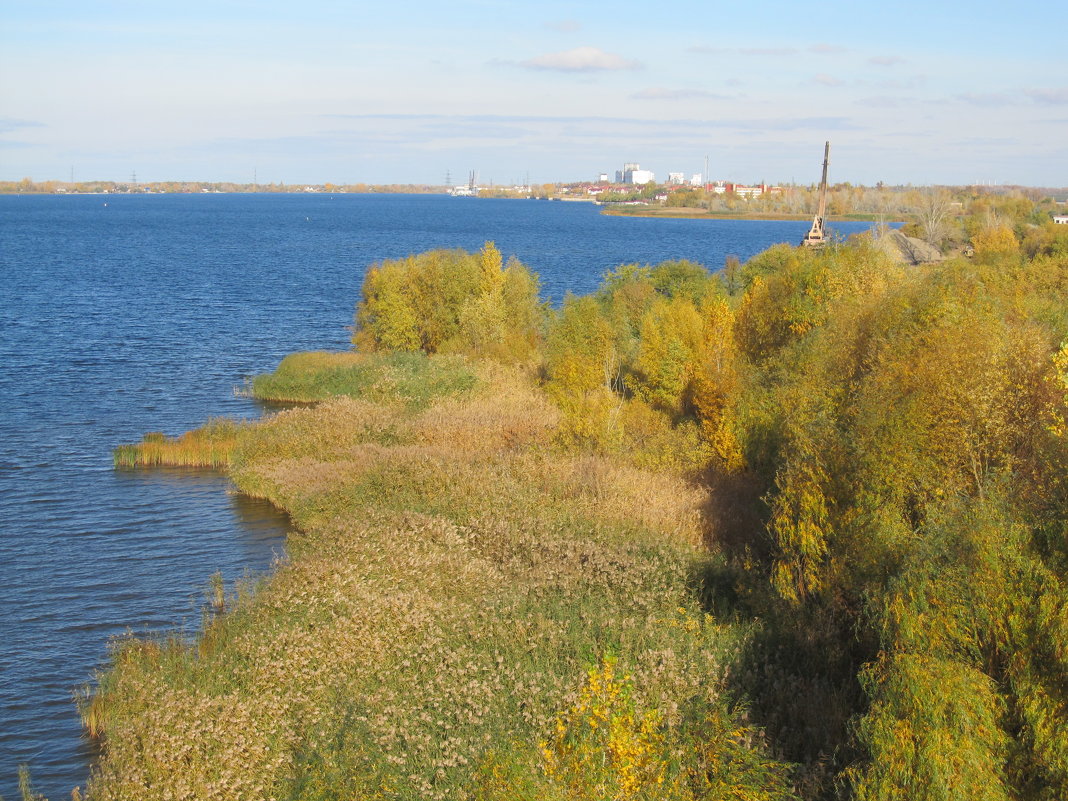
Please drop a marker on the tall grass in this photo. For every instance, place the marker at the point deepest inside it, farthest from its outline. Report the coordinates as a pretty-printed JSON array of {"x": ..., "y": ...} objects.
[
  {"x": 211, "y": 445},
  {"x": 456, "y": 585}
]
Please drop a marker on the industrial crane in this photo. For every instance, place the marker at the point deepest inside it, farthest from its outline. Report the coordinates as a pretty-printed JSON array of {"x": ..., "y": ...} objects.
[{"x": 816, "y": 235}]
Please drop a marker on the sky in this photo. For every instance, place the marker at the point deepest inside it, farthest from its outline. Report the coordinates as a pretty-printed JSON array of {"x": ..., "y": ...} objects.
[{"x": 315, "y": 91}]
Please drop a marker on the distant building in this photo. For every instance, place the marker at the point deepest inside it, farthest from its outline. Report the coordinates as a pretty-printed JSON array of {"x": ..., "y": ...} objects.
[
  {"x": 744, "y": 191},
  {"x": 675, "y": 178},
  {"x": 697, "y": 179},
  {"x": 632, "y": 173},
  {"x": 1060, "y": 219},
  {"x": 602, "y": 178}
]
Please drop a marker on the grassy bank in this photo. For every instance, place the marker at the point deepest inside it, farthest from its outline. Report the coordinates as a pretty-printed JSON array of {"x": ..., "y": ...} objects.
[
  {"x": 468, "y": 612},
  {"x": 389, "y": 378}
]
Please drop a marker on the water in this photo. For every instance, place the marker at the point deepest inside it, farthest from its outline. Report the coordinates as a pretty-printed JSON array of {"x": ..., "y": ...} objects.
[{"x": 126, "y": 314}]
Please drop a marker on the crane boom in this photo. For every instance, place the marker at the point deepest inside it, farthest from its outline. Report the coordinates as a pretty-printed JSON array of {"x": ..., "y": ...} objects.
[{"x": 816, "y": 235}]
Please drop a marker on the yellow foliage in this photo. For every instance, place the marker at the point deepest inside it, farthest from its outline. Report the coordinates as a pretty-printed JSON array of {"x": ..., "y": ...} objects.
[
  {"x": 799, "y": 522},
  {"x": 385, "y": 319},
  {"x": 716, "y": 383},
  {"x": 603, "y": 747},
  {"x": 671, "y": 338},
  {"x": 492, "y": 268},
  {"x": 451, "y": 301},
  {"x": 1057, "y": 408},
  {"x": 582, "y": 368},
  {"x": 995, "y": 241}
]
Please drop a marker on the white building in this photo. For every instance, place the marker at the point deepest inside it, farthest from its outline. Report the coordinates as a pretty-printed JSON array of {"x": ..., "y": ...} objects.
[
  {"x": 632, "y": 173},
  {"x": 675, "y": 178},
  {"x": 697, "y": 179},
  {"x": 1060, "y": 219}
]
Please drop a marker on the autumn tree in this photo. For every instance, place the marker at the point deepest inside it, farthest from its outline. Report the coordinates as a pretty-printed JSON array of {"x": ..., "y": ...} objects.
[{"x": 451, "y": 301}]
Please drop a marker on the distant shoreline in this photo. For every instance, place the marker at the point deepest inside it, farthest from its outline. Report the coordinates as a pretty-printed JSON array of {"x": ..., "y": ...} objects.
[{"x": 703, "y": 214}]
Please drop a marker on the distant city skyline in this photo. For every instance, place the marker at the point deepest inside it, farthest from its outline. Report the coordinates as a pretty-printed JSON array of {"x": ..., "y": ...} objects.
[{"x": 234, "y": 90}]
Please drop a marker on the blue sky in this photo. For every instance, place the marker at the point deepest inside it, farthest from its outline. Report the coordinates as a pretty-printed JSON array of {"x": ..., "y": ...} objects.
[{"x": 324, "y": 90}]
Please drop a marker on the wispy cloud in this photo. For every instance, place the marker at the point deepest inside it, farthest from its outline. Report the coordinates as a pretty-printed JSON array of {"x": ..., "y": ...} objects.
[
  {"x": 886, "y": 61},
  {"x": 1052, "y": 97},
  {"x": 711, "y": 50},
  {"x": 821, "y": 48},
  {"x": 827, "y": 80},
  {"x": 911, "y": 82},
  {"x": 827, "y": 49},
  {"x": 708, "y": 50},
  {"x": 1042, "y": 96},
  {"x": 884, "y": 101},
  {"x": 8, "y": 124},
  {"x": 983, "y": 141},
  {"x": 767, "y": 51},
  {"x": 440, "y": 122},
  {"x": 564, "y": 25},
  {"x": 663, "y": 93},
  {"x": 988, "y": 99},
  {"x": 581, "y": 59}
]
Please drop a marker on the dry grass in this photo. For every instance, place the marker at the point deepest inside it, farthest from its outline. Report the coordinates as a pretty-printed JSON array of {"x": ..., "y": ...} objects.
[{"x": 455, "y": 579}]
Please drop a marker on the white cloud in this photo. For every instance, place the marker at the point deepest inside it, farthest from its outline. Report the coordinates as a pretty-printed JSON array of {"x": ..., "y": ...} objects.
[
  {"x": 886, "y": 61},
  {"x": 580, "y": 59}
]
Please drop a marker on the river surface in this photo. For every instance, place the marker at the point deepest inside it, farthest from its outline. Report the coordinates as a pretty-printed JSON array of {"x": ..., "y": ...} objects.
[{"x": 121, "y": 314}]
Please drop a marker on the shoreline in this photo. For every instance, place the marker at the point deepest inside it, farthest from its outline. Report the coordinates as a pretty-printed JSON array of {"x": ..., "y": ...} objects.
[{"x": 702, "y": 214}]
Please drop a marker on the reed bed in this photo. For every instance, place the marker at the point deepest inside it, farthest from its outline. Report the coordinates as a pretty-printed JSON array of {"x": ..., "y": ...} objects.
[
  {"x": 314, "y": 376},
  {"x": 466, "y": 613},
  {"x": 211, "y": 445}
]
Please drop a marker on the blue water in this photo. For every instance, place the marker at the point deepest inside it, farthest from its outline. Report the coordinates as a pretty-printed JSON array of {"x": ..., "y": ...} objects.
[{"x": 132, "y": 313}]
